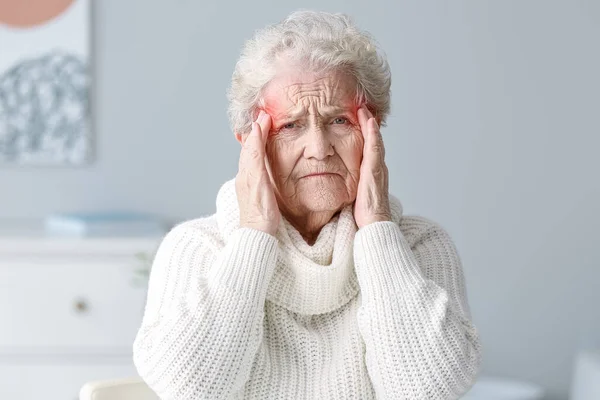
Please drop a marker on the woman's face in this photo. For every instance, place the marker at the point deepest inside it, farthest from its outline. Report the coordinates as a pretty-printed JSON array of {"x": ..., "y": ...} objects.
[{"x": 314, "y": 131}]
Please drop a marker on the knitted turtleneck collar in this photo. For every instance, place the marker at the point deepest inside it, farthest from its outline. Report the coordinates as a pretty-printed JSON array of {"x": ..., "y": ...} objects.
[{"x": 307, "y": 279}]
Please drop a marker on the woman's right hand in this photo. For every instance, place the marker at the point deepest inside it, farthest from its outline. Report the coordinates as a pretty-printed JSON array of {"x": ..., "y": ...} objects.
[{"x": 256, "y": 199}]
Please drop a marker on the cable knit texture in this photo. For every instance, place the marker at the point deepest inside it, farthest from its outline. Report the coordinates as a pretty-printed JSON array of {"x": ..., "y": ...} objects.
[{"x": 375, "y": 313}]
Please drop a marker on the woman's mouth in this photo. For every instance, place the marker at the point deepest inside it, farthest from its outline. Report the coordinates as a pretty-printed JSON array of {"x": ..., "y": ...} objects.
[{"x": 318, "y": 174}]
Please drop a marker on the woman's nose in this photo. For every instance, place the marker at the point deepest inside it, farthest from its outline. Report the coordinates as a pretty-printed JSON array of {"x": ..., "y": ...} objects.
[{"x": 318, "y": 144}]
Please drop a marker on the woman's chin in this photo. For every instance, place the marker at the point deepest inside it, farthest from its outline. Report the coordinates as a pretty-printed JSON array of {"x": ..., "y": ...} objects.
[
  {"x": 321, "y": 195},
  {"x": 324, "y": 203}
]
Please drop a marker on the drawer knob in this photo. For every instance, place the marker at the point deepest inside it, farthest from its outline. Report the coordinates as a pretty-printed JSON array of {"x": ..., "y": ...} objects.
[{"x": 81, "y": 306}]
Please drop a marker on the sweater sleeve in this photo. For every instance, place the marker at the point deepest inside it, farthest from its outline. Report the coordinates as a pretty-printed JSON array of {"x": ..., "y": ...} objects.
[
  {"x": 414, "y": 317},
  {"x": 203, "y": 320}
]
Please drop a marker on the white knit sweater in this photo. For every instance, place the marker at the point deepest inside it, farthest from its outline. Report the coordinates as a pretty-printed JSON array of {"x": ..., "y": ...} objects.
[{"x": 236, "y": 313}]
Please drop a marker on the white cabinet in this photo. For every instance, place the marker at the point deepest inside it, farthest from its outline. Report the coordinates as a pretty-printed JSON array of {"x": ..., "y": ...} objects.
[{"x": 69, "y": 311}]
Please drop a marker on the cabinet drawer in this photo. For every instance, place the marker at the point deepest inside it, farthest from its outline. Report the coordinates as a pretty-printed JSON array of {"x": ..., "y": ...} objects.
[
  {"x": 55, "y": 382},
  {"x": 87, "y": 304}
]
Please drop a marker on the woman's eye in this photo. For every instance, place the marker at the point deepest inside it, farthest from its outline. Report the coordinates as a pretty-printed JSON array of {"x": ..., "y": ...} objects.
[
  {"x": 289, "y": 125},
  {"x": 340, "y": 120}
]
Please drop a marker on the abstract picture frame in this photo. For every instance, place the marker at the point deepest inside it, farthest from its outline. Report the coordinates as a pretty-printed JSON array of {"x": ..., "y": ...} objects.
[{"x": 45, "y": 83}]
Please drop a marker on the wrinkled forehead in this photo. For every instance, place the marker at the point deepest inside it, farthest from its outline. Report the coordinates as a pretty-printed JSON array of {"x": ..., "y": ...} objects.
[{"x": 293, "y": 91}]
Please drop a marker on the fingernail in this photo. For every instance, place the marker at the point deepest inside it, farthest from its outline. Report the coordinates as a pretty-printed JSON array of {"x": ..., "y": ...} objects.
[{"x": 260, "y": 116}]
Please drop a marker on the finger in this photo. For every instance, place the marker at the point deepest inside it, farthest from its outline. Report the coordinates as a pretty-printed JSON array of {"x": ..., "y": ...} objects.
[
  {"x": 362, "y": 120},
  {"x": 253, "y": 150},
  {"x": 361, "y": 115},
  {"x": 371, "y": 148},
  {"x": 377, "y": 127},
  {"x": 264, "y": 120},
  {"x": 258, "y": 139},
  {"x": 375, "y": 139}
]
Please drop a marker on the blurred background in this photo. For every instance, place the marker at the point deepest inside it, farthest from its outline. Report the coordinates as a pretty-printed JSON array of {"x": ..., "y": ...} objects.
[{"x": 494, "y": 133}]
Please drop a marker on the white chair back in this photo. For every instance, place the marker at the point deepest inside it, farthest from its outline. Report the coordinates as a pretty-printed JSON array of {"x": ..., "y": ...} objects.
[{"x": 117, "y": 389}]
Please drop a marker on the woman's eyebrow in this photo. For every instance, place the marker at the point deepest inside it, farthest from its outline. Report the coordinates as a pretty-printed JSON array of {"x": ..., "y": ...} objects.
[
  {"x": 290, "y": 114},
  {"x": 335, "y": 110},
  {"x": 326, "y": 111}
]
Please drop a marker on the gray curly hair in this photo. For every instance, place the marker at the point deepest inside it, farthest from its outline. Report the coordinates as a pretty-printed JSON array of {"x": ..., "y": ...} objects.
[{"x": 319, "y": 42}]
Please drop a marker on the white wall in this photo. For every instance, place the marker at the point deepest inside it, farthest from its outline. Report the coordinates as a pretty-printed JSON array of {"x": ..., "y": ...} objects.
[{"x": 493, "y": 134}]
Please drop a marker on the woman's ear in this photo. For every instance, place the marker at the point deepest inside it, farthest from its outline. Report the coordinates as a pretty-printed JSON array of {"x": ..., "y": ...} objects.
[{"x": 240, "y": 138}]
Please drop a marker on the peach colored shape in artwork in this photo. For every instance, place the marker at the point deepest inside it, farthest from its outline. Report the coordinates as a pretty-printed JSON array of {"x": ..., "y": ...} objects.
[{"x": 28, "y": 13}]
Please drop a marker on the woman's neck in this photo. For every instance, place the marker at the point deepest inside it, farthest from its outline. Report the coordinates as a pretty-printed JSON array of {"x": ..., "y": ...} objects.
[{"x": 309, "y": 224}]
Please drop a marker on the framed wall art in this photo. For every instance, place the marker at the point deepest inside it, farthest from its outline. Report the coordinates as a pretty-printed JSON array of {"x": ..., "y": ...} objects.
[{"x": 44, "y": 83}]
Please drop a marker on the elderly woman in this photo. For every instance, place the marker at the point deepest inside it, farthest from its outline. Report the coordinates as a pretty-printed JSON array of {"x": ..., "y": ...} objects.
[{"x": 308, "y": 282}]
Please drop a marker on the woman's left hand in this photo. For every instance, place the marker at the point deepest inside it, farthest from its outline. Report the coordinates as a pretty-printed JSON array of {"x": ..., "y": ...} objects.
[{"x": 372, "y": 202}]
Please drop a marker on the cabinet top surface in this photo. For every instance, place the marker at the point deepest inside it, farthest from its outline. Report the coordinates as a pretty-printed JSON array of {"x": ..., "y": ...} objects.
[{"x": 18, "y": 236}]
